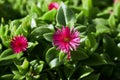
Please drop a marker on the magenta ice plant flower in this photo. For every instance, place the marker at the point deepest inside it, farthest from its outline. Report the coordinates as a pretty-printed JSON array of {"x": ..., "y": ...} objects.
[
  {"x": 116, "y": 1},
  {"x": 66, "y": 40},
  {"x": 53, "y": 5},
  {"x": 19, "y": 43}
]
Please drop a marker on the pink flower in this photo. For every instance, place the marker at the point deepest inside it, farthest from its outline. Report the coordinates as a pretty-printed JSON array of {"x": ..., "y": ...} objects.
[
  {"x": 116, "y": 1},
  {"x": 53, "y": 5},
  {"x": 66, "y": 40},
  {"x": 19, "y": 43}
]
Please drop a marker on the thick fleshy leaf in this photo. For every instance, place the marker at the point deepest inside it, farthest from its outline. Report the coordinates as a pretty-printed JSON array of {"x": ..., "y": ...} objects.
[
  {"x": 51, "y": 54},
  {"x": 6, "y": 52},
  {"x": 31, "y": 45},
  {"x": 39, "y": 67},
  {"x": 0, "y": 48},
  {"x": 54, "y": 63},
  {"x": 5, "y": 62},
  {"x": 20, "y": 30},
  {"x": 112, "y": 21},
  {"x": 85, "y": 71},
  {"x": 38, "y": 32},
  {"x": 2, "y": 29},
  {"x": 49, "y": 16},
  {"x": 24, "y": 27},
  {"x": 33, "y": 23},
  {"x": 87, "y": 7},
  {"x": 69, "y": 68},
  {"x": 52, "y": 57},
  {"x": 91, "y": 42},
  {"x": 111, "y": 48},
  {"x": 95, "y": 60},
  {"x": 5, "y": 41},
  {"x": 4, "y": 35},
  {"x": 65, "y": 16},
  {"x": 81, "y": 28},
  {"x": 7, "y": 77},
  {"x": 116, "y": 9},
  {"x": 48, "y": 36},
  {"x": 25, "y": 64},
  {"x": 7, "y": 55},
  {"x": 79, "y": 55},
  {"x": 107, "y": 59},
  {"x": 100, "y": 28},
  {"x": 81, "y": 71},
  {"x": 100, "y": 21},
  {"x": 92, "y": 77},
  {"x": 18, "y": 76}
]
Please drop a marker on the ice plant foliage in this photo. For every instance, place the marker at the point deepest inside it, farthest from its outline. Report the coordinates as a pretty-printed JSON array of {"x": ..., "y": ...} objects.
[
  {"x": 66, "y": 40},
  {"x": 19, "y": 43},
  {"x": 53, "y": 5}
]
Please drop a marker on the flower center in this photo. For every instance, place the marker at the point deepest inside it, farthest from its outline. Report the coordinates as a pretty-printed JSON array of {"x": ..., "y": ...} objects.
[{"x": 66, "y": 39}]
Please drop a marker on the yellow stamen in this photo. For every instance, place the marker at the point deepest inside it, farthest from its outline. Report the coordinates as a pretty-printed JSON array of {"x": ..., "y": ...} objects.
[{"x": 66, "y": 39}]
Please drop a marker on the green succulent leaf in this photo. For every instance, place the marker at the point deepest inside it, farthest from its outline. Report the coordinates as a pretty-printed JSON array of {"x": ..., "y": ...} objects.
[
  {"x": 52, "y": 57},
  {"x": 48, "y": 36},
  {"x": 100, "y": 29},
  {"x": 112, "y": 21},
  {"x": 38, "y": 32},
  {"x": 82, "y": 72},
  {"x": 7, "y": 55},
  {"x": 65, "y": 16},
  {"x": 50, "y": 15},
  {"x": 25, "y": 64},
  {"x": 79, "y": 55},
  {"x": 116, "y": 9},
  {"x": 6, "y": 77},
  {"x": 87, "y": 7},
  {"x": 95, "y": 60},
  {"x": 91, "y": 42},
  {"x": 92, "y": 77},
  {"x": 110, "y": 48}
]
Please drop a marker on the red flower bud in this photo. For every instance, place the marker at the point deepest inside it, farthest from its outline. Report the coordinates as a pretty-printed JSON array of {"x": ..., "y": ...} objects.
[
  {"x": 116, "y": 1},
  {"x": 53, "y": 5}
]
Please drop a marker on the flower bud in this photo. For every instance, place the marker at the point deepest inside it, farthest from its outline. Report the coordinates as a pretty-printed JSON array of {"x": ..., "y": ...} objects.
[{"x": 53, "y": 5}]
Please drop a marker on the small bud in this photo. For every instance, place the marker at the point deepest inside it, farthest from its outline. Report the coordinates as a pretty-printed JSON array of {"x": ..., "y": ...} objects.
[
  {"x": 116, "y": 1},
  {"x": 53, "y": 5}
]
